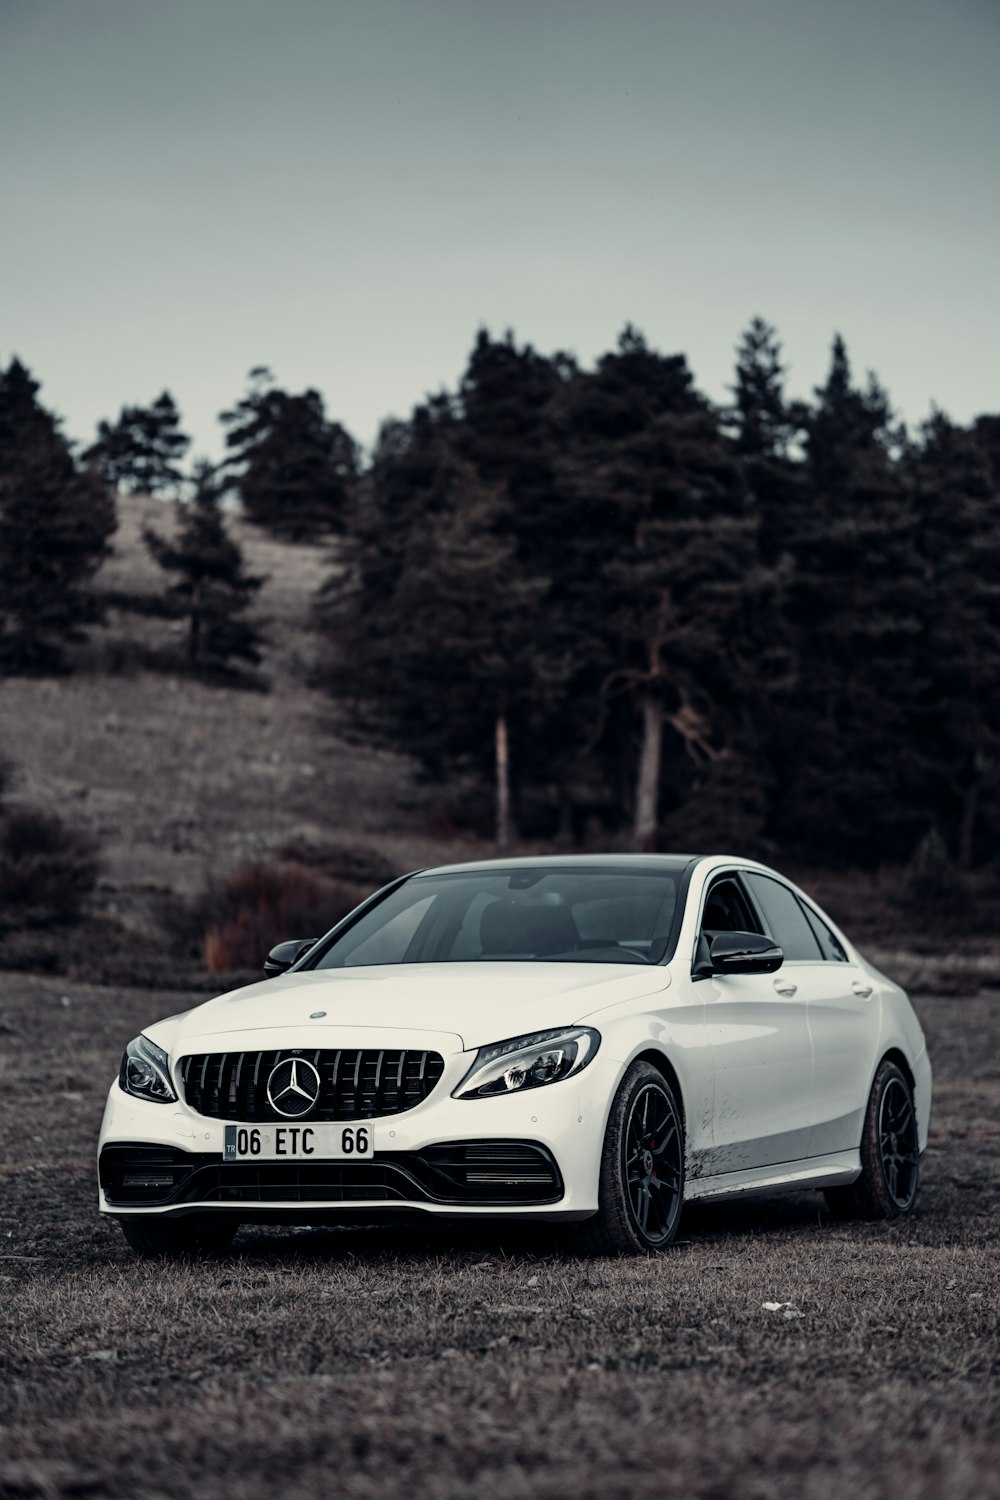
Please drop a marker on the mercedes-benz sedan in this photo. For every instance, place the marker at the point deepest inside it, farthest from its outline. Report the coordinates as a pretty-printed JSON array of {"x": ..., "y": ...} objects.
[{"x": 592, "y": 1040}]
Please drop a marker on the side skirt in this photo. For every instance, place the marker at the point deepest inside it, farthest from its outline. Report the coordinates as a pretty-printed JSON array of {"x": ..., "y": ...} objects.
[{"x": 836, "y": 1170}]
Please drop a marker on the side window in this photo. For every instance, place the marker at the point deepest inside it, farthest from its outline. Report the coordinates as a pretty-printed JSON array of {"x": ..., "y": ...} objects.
[
  {"x": 830, "y": 945},
  {"x": 726, "y": 909},
  {"x": 785, "y": 917}
]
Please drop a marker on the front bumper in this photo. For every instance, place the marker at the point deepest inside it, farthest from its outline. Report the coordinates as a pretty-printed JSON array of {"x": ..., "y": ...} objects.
[
  {"x": 476, "y": 1174},
  {"x": 533, "y": 1155}
]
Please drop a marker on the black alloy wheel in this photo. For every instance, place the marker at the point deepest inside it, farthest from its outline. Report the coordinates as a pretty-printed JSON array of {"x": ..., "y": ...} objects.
[
  {"x": 653, "y": 1162},
  {"x": 642, "y": 1169},
  {"x": 890, "y": 1153},
  {"x": 899, "y": 1151}
]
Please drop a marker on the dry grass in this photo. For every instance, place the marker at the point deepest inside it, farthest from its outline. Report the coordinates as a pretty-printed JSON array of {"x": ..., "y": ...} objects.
[
  {"x": 438, "y": 1361},
  {"x": 460, "y": 1363}
]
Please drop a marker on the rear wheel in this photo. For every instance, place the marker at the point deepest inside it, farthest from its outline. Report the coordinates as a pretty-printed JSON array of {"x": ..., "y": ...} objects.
[
  {"x": 890, "y": 1153},
  {"x": 642, "y": 1170},
  {"x": 195, "y": 1235}
]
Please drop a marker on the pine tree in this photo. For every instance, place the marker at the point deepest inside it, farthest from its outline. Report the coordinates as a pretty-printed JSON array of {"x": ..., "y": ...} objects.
[
  {"x": 294, "y": 470},
  {"x": 671, "y": 552},
  {"x": 55, "y": 525},
  {"x": 954, "y": 736},
  {"x": 139, "y": 454},
  {"x": 432, "y": 622},
  {"x": 852, "y": 604},
  {"x": 210, "y": 588},
  {"x": 760, "y": 415}
]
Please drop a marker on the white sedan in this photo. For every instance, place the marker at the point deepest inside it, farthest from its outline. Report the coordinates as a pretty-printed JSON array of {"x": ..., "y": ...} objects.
[{"x": 593, "y": 1040}]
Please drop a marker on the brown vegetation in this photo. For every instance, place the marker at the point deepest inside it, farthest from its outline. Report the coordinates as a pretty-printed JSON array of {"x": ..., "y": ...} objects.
[{"x": 259, "y": 905}]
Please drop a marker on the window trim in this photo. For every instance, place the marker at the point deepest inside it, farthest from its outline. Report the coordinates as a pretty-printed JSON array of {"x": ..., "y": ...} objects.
[{"x": 728, "y": 873}]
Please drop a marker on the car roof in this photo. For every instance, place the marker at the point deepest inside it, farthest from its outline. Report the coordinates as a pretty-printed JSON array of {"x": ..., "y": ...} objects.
[{"x": 650, "y": 863}]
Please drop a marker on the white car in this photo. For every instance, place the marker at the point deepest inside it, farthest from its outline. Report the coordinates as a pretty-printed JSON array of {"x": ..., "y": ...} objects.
[{"x": 592, "y": 1040}]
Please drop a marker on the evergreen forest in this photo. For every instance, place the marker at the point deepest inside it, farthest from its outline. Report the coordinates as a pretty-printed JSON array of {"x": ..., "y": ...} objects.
[{"x": 598, "y": 609}]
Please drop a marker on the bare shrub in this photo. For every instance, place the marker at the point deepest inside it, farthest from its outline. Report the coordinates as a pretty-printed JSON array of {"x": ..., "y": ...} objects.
[
  {"x": 47, "y": 869},
  {"x": 261, "y": 904},
  {"x": 932, "y": 885},
  {"x": 357, "y": 864}
]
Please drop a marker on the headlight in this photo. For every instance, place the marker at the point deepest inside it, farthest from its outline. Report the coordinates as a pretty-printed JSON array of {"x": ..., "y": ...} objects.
[
  {"x": 145, "y": 1072},
  {"x": 528, "y": 1062}
]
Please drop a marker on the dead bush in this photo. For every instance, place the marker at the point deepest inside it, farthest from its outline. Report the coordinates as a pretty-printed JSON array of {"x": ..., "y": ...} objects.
[
  {"x": 355, "y": 864},
  {"x": 933, "y": 888},
  {"x": 261, "y": 904},
  {"x": 47, "y": 869}
]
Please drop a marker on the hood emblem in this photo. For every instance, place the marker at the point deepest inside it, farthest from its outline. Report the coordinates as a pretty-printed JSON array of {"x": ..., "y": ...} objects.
[
  {"x": 316, "y": 1015},
  {"x": 293, "y": 1087}
]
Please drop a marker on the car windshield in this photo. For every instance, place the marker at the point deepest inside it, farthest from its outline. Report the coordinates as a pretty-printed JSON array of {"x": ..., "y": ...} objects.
[{"x": 604, "y": 916}]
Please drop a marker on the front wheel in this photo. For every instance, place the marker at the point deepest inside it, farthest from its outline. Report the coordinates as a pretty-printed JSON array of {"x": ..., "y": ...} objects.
[
  {"x": 890, "y": 1153},
  {"x": 642, "y": 1170},
  {"x": 194, "y": 1235}
]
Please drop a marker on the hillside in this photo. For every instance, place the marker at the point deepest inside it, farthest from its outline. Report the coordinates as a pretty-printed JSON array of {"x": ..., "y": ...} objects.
[{"x": 179, "y": 780}]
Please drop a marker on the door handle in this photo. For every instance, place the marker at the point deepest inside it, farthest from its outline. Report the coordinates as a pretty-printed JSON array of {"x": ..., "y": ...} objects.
[
  {"x": 861, "y": 989},
  {"x": 785, "y": 987}
]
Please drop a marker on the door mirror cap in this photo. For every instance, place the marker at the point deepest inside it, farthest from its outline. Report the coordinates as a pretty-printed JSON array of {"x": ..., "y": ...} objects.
[
  {"x": 284, "y": 955},
  {"x": 744, "y": 953}
]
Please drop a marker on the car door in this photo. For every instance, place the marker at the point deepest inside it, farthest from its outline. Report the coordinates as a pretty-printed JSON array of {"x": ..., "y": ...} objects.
[
  {"x": 845, "y": 1021},
  {"x": 842, "y": 1008},
  {"x": 758, "y": 1031}
]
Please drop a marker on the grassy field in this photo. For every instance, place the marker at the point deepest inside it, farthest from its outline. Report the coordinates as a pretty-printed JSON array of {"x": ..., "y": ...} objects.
[{"x": 448, "y": 1362}]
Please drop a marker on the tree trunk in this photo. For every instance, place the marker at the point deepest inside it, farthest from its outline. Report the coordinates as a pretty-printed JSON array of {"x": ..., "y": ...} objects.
[
  {"x": 648, "y": 784},
  {"x": 967, "y": 826},
  {"x": 503, "y": 784}
]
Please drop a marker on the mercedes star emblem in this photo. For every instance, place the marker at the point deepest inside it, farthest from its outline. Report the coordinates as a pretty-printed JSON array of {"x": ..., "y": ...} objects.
[{"x": 293, "y": 1087}]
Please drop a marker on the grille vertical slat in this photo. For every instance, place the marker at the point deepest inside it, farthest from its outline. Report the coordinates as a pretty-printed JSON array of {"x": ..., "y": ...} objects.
[{"x": 363, "y": 1083}]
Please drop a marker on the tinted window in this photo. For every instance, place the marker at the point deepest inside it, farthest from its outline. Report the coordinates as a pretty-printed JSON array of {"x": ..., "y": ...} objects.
[
  {"x": 573, "y": 916},
  {"x": 831, "y": 946},
  {"x": 726, "y": 909},
  {"x": 785, "y": 918}
]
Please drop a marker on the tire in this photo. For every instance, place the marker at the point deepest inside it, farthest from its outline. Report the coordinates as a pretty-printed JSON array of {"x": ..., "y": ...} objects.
[
  {"x": 890, "y": 1154},
  {"x": 197, "y": 1235},
  {"x": 641, "y": 1190}
]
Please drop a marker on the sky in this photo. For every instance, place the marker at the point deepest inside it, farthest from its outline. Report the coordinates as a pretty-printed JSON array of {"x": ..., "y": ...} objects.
[{"x": 345, "y": 190}]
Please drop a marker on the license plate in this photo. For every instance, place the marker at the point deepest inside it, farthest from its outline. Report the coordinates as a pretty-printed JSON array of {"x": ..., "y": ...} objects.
[{"x": 299, "y": 1142}]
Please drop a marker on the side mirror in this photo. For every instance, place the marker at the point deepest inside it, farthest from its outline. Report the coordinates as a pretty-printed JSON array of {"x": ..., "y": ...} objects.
[
  {"x": 285, "y": 954},
  {"x": 744, "y": 953}
]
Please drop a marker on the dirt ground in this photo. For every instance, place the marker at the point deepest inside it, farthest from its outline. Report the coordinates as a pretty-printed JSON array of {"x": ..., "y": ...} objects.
[{"x": 446, "y": 1362}]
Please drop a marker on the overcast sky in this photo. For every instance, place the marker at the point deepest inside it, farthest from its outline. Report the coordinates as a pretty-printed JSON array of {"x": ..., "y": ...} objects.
[{"x": 345, "y": 189}]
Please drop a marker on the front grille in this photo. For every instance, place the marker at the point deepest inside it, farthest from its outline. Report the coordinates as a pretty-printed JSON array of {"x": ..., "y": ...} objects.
[
  {"x": 355, "y": 1084},
  {"x": 476, "y": 1173}
]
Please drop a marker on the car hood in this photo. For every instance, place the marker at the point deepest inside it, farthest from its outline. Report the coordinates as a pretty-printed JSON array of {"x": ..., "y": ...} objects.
[{"x": 477, "y": 1003}]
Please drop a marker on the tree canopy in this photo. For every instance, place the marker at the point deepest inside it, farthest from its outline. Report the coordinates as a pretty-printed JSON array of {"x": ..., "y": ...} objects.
[
  {"x": 139, "y": 454},
  {"x": 56, "y": 521},
  {"x": 741, "y": 625},
  {"x": 293, "y": 469},
  {"x": 210, "y": 589}
]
